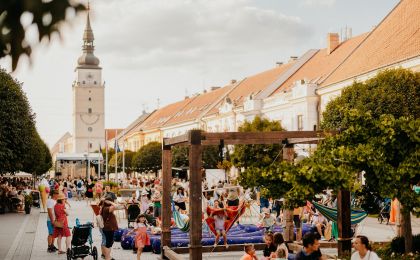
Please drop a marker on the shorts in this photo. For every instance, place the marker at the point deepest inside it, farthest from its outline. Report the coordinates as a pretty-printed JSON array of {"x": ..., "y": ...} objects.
[
  {"x": 181, "y": 205},
  {"x": 296, "y": 220},
  {"x": 109, "y": 238},
  {"x": 233, "y": 202},
  {"x": 50, "y": 227},
  {"x": 103, "y": 242},
  {"x": 156, "y": 212}
]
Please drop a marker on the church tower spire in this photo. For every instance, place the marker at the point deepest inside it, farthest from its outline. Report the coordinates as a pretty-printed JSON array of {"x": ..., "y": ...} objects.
[{"x": 88, "y": 59}]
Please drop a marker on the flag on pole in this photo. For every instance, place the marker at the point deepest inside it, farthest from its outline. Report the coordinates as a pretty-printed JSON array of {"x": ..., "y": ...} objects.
[
  {"x": 116, "y": 147},
  {"x": 100, "y": 148}
]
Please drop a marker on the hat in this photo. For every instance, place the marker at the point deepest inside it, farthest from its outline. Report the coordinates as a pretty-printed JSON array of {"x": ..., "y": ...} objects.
[
  {"x": 144, "y": 193},
  {"x": 142, "y": 215},
  {"x": 61, "y": 196},
  {"x": 266, "y": 210}
]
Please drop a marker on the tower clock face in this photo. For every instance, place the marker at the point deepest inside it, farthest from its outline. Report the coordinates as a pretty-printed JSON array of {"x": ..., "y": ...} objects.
[{"x": 89, "y": 119}]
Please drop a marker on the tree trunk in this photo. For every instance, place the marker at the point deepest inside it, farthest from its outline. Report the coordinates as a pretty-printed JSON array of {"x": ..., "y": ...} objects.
[{"x": 405, "y": 227}]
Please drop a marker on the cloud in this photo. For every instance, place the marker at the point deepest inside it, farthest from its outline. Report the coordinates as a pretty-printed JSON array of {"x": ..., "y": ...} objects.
[
  {"x": 311, "y": 3},
  {"x": 149, "y": 34}
]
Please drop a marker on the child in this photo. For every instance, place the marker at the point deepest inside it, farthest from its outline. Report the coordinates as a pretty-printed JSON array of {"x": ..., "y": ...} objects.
[
  {"x": 266, "y": 220},
  {"x": 142, "y": 238},
  {"x": 269, "y": 245},
  {"x": 219, "y": 224},
  {"x": 249, "y": 253},
  {"x": 281, "y": 248}
]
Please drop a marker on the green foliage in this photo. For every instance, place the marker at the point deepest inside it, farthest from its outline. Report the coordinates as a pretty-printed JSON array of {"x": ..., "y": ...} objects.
[
  {"x": 28, "y": 200},
  {"x": 128, "y": 160},
  {"x": 395, "y": 92},
  {"x": 110, "y": 184},
  {"x": 397, "y": 244},
  {"x": 21, "y": 147},
  {"x": 46, "y": 16},
  {"x": 257, "y": 155},
  {"x": 148, "y": 156},
  {"x": 210, "y": 156}
]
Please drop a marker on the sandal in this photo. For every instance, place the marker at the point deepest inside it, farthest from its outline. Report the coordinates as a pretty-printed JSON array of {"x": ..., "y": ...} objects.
[{"x": 61, "y": 252}]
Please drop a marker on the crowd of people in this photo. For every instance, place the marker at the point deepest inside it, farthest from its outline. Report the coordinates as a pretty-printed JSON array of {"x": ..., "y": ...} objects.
[
  {"x": 147, "y": 196},
  {"x": 12, "y": 192}
]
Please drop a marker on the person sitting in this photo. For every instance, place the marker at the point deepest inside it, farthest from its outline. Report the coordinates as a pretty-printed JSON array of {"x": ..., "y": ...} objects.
[
  {"x": 266, "y": 220},
  {"x": 319, "y": 223},
  {"x": 310, "y": 249},
  {"x": 280, "y": 246},
  {"x": 270, "y": 247},
  {"x": 249, "y": 253},
  {"x": 363, "y": 249}
]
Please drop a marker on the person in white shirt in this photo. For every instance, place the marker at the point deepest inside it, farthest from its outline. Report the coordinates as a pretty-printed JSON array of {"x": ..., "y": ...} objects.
[{"x": 363, "y": 250}]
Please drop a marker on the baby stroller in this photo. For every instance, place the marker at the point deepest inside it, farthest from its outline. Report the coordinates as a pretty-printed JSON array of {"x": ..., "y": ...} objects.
[
  {"x": 133, "y": 211},
  {"x": 81, "y": 235},
  {"x": 384, "y": 211},
  {"x": 36, "y": 198}
]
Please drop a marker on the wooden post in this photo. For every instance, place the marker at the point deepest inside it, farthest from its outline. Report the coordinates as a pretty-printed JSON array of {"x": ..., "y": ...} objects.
[
  {"x": 195, "y": 206},
  {"x": 288, "y": 155},
  {"x": 344, "y": 223},
  {"x": 166, "y": 197}
]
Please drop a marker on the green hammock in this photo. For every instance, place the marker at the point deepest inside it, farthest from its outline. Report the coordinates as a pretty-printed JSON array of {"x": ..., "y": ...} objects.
[
  {"x": 357, "y": 215},
  {"x": 183, "y": 226}
]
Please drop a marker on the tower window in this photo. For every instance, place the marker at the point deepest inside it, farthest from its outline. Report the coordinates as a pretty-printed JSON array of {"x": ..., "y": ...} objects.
[
  {"x": 300, "y": 122},
  {"x": 90, "y": 145},
  {"x": 89, "y": 110},
  {"x": 94, "y": 82},
  {"x": 83, "y": 82},
  {"x": 90, "y": 129},
  {"x": 90, "y": 99}
]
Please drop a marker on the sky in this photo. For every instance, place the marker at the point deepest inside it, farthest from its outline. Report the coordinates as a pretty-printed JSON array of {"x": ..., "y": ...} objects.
[{"x": 155, "y": 52}]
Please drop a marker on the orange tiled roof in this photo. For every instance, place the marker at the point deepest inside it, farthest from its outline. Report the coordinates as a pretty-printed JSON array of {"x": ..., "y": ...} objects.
[
  {"x": 322, "y": 64},
  {"x": 253, "y": 85},
  {"x": 110, "y": 133},
  {"x": 395, "y": 39},
  {"x": 198, "y": 106},
  {"x": 164, "y": 114}
]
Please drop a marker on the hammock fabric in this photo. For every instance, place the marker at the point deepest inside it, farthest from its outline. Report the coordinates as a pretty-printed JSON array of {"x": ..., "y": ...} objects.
[
  {"x": 357, "y": 215},
  {"x": 183, "y": 226},
  {"x": 233, "y": 213}
]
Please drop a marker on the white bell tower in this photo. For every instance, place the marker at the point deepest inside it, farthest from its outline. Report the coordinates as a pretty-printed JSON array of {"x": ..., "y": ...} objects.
[{"x": 88, "y": 99}]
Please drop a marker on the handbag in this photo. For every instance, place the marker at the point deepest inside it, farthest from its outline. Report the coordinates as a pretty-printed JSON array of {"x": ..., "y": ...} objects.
[
  {"x": 58, "y": 224},
  {"x": 99, "y": 221}
]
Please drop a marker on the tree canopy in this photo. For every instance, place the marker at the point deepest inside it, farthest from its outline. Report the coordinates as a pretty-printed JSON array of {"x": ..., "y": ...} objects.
[
  {"x": 210, "y": 156},
  {"x": 128, "y": 162},
  {"x": 45, "y": 15},
  {"x": 148, "y": 156},
  {"x": 21, "y": 147}
]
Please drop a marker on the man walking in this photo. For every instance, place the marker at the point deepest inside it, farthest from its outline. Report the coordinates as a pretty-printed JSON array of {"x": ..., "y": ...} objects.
[{"x": 50, "y": 220}]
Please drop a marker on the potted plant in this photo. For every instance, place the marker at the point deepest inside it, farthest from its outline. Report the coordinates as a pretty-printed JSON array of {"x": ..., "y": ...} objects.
[{"x": 28, "y": 203}]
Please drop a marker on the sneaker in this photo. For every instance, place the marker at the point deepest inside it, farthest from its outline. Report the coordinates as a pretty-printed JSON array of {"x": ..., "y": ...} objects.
[
  {"x": 54, "y": 248},
  {"x": 49, "y": 250}
]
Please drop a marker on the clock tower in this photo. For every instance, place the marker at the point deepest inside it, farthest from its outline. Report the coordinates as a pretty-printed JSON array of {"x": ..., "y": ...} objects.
[{"x": 88, "y": 99}]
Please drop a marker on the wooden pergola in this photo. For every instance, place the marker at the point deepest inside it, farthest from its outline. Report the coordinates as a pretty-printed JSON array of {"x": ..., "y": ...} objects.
[{"x": 195, "y": 139}]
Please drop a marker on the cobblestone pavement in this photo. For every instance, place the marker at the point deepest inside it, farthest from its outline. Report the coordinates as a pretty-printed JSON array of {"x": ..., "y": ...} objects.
[{"x": 23, "y": 237}]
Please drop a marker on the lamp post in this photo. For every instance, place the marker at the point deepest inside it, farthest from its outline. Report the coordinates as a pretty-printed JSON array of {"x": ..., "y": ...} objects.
[{"x": 86, "y": 159}]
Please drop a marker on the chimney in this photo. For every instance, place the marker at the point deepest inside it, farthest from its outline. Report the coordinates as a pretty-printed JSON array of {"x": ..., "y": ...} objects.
[
  {"x": 293, "y": 58},
  {"x": 214, "y": 88},
  {"x": 232, "y": 81},
  {"x": 332, "y": 42},
  {"x": 279, "y": 63}
]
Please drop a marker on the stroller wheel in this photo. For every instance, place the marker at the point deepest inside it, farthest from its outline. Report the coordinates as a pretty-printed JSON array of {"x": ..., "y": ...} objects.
[
  {"x": 69, "y": 254},
  {"x": 95, "y": 253}
]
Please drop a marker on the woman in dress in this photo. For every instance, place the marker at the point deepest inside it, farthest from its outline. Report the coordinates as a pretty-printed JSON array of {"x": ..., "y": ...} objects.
[
  {"x": 61, "y": 217},
  {"x": 89, "y": 191},
  {"x": 180, "y": 198}
]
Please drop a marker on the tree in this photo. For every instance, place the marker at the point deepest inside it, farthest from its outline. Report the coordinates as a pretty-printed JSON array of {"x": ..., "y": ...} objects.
[
  {"x": 17, "y": 124},
  {"x": 210, "y": 156},
  {"x": 148, "y": 156},
  {"x": 381, "y": 138},
  {"x": 46, "y": 16},
  {"x": 127, "y": 162}
]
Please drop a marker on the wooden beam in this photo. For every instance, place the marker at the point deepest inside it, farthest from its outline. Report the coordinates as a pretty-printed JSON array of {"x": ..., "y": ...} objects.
[
  {"x": 344, "y": 223},
  {"x": 166, "y": 196},
  {"x": 180, "y": 139},
  {"x": 171, "y": 254},
  {"x": 288, "y": 155},
  {"x": 195, "y": 205}
]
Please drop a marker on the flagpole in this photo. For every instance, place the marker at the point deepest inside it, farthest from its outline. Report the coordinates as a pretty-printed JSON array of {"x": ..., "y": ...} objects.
[
  {"x": 123, "y": 151},
  {"x": 106, "y": 155},
  {"x": 116, "y": 157}
]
